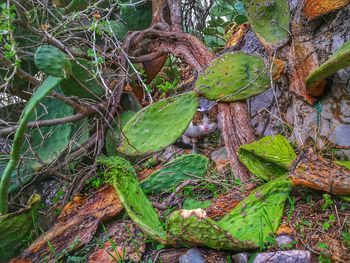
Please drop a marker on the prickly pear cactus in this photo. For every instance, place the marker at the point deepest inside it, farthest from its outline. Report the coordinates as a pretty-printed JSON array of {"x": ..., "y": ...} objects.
[
  {"x": 82, "y": 82},
  {"x": 193, "y": 227},
  {"x": 76, "y": 5},
  {"x": 113, "y": 134},
  {"x": 48, "y": 142},
  {"x": 158, "y": 125},
  {"x": 136, "y": 16},
  {"x": 339, "y": 60},
  {"x": 123, "y": 177},
  {"x": 49, "y": 84},
  {"x": 232, "y": 77},
  {"x": 258, "y": 215},
  {"x": 267, "y": 158},
  {"x": 270, "y": 20},
  {"x": 16, "y": 227},
  {"x": 53, "y": 61},
  {"x": 185, "y": 167}
]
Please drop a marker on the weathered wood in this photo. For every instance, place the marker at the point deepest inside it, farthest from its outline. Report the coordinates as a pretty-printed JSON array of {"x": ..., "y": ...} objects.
[
  {"x": 236, "y": 129},
  {"x": 75, "y": 227},
  {"x": 312, "y": 171}
]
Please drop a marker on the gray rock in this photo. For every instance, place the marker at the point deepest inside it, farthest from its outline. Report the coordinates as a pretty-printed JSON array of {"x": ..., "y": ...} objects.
[
  {"x": 194, "y": 255},
  {"x": 220, "y": 158},
  {"x": 292, "y": 256},
  {"x": 240, "y": 258},
  {"x": 283, "y": 240},
  {"x": 341, "y": 135}
]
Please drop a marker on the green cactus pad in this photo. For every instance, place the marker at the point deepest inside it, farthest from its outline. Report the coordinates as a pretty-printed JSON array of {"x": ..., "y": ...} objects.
[
  {"x": 48, "y": 142},
  {"x": 136, "y": 16},
  {"x": 158, "y": 125},
  {"x": 113, "y": 134},
  {"x": 123, "y": 177},
  {"x": 83, "y": 82},
  {"x": 15, "y": 228},
  {"x": 339, "y": 60},
  {"x": 53, "y": 61},
  {"x": 193, "y": 227},
  {"x": 185, "y": 167},
  {"x": 76, "y": 5},
  {"x": 49, "y": 84},
  {"x": 116, "y": 28},
  {"x": 267, "y": 158},
  {"x": 258, "y": 215},
  {"x": 232, "y": 77},
  {"x": 269, "y": 19}
]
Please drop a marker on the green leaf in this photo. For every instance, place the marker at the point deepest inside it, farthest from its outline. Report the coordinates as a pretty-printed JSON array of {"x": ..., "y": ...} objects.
[
  {"x": 158, "y": 125},
  {"x": 258, "y": 215},
  {"x": 344, "y": 163},
  {"x": 184, "y": 167},
  {"x": 267, "y": 158},
  {"x": 15, "y": 228}
]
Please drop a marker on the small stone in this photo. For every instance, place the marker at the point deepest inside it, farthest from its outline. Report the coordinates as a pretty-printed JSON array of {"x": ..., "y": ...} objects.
[
  {"x": 220, "y": 158},
  {"x": 292, "y": 256},
  {"x": 340, "y": 135},
  {"x": 283, "y": 240},
  {"x": 240, "y": 258},
  {"x": 194, "y": 255}
]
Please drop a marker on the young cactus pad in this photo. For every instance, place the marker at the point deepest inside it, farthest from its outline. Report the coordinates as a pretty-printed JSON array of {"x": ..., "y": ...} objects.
[
  {"x": 267, "y": 158},
  {"x": 53, "y": 61},
  {"x": 258, "y": 215},
  {"x": 232, "y": 77},
  {"x": 123, "y": 177},
  {"x": 158, "y": 125},
  {"x": 193, "y": 227},
  {"x": 185, "y": 167},
  {"x": 270, "y": 20},
  {"x": 339, "y": 60}
]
